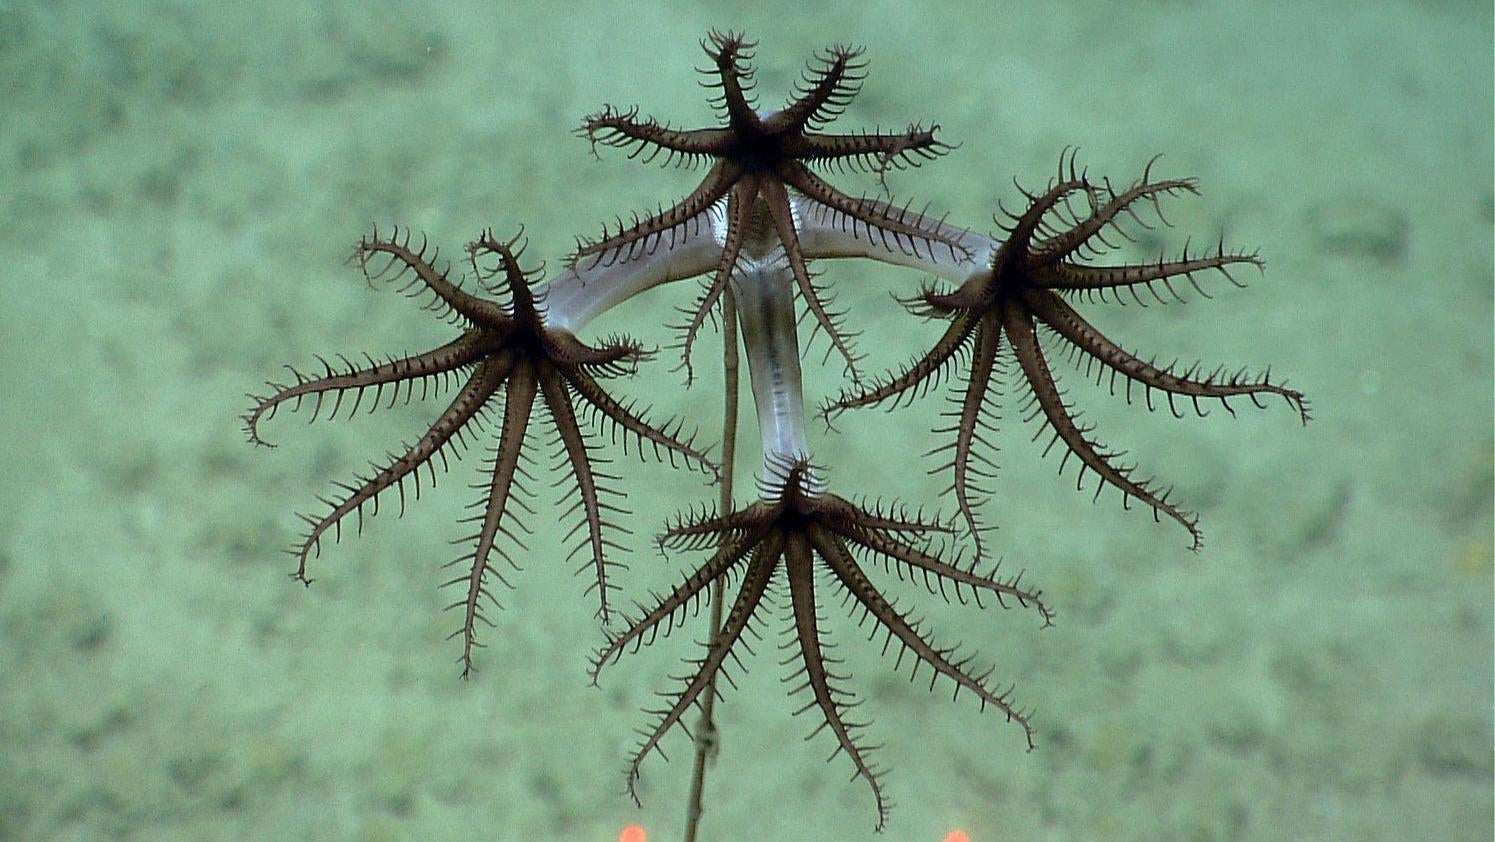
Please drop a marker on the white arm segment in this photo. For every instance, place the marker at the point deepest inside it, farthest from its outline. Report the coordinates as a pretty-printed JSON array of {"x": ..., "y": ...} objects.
[
  {"x": 825, "y": 234},
  {"x": 585, "y": 292}
]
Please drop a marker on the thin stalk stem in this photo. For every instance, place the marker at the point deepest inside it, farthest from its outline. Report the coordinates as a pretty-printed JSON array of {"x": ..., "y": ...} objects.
[{"x": 706, "y": 737}]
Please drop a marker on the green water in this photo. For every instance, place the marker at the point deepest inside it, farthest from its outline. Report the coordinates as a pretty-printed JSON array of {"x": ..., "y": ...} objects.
[{"x": 181, "y": 183}]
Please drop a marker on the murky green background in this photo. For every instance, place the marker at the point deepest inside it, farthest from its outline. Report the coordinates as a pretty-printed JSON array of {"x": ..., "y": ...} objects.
[{"x": 180, "y": 183}]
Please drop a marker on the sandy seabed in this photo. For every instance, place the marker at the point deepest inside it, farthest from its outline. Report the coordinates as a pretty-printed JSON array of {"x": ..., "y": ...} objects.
[{"x": 181, "y": 183}]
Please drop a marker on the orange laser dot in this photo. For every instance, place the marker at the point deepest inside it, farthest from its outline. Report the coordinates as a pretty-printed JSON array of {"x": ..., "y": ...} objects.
[
  {"x": 633, "y": 833},
  {"x": 957, "y": 836}
]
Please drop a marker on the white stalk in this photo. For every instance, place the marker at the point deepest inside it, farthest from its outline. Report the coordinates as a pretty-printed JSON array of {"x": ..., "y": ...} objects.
[{"x": 765, "y": 311}]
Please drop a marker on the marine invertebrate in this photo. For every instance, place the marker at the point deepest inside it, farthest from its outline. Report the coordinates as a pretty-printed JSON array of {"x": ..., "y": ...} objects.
[
  {"x": 752, "y": 228},
  {"x": 756, "y": 161},
  {"x": 780, "y": 537},
  {"x": 504, "y": 347},
  {"x": 1044, "y": 261}
]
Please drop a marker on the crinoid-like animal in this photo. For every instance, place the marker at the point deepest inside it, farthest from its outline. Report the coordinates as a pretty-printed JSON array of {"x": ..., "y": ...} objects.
[
  {"x": 794, "y": 531},
  {"x": 751, "y": 229},
  {"x": 756, "y": 161},
  {"x": 1041, "y": 265},
  {"x": 504, "y": 347}
]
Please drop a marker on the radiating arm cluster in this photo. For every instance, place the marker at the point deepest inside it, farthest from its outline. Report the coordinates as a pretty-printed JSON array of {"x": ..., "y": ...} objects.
[
  {"x": 761, "y": 216},
  {"x": 504, "y": 349}
]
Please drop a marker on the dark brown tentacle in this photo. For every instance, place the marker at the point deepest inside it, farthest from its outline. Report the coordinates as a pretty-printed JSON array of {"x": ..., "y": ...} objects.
[
  {"x": 1025, "y": 227},
  {"x": 777, "y": 200},
  {"x": 730, "y": 53},
  {"x": 936, "y": 230},
  {"x": 871, "y": 151},
  {"x": 616, "y": 356},
  {"x": 1057, "y": 314},
  {"x": 739, "y": 209},
  {"x": 911, "y": 232},
  {"x": 467, "y": 403},
  {"x": 916, "y": 375},
  {"x": 765, "y": 560},
  {"x": 939, "y": 659},
  {"x": 554, "y": 389},
  {"x": 704, "y": 528},
  {"x": 969, "y": 423},
  {"x": 832, "y": 702},
  {"x": 519, "y": 398},
  {"x": 403, "y": 259},
  {"x": 664, "y": 438},
  {"x": 647, "y": 138},
  {"x": 1070, "y": 276},
  {"x": 516, "y": 280},
  {"x": 894, "y": 519},
  {"x": 642, "y": 629},
  {"x": 1067, "y": 242},
  {"x": 399, "y": 373},
  {"x": 1024, "y": 341},
  {"x": 823, "y": 93},
  {"x": 879, "y": 543},
  {"x": 646, "y": 234}
]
